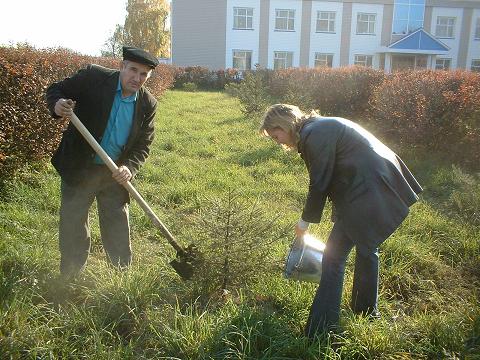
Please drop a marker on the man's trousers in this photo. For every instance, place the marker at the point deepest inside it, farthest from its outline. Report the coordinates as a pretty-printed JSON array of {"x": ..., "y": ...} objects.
[{"x": 74, "y": 232}]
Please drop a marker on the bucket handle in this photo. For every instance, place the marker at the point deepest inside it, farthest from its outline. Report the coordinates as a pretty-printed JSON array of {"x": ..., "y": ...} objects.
[{"x": 301, "y": 255}]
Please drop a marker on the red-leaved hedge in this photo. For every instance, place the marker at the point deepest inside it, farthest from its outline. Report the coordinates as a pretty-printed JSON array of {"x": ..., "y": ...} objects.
[
  {"x": 27, "y": 132},
  {"x": 339, "y": 91},
  {"x": 435, "y": 110}
]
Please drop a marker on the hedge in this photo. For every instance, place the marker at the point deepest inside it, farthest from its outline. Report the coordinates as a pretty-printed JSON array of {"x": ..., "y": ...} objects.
[{"x": 436, "y": 110}]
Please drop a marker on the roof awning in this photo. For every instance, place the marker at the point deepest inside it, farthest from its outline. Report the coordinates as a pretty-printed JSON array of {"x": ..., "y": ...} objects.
[{"x": 418, "y": 42}]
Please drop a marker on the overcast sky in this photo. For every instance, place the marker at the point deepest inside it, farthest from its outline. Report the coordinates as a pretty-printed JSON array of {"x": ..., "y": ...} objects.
[{"x": 81, "y": 25}]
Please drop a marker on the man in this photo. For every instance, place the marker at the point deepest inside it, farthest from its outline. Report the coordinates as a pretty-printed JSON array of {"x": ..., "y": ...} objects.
[{"x": 119, "y": 112}]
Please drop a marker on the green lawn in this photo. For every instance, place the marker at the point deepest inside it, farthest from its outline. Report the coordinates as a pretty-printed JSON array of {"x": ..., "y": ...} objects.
[{"x": 204, "y": 149}]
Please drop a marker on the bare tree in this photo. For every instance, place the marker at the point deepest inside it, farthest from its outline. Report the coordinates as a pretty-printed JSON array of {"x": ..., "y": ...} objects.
[{"x": 113, "y": 45}]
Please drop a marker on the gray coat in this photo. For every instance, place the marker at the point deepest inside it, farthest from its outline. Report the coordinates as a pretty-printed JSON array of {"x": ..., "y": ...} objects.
[{"x": 370, "y": 187}]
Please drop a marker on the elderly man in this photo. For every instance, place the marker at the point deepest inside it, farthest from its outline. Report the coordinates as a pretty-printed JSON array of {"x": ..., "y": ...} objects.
[{"x": 119, "y": 112}]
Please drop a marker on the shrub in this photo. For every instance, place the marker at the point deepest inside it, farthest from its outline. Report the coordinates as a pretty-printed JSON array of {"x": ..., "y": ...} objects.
[
  {"x": 190, "y": 86},
  {"x": 339, "y": 92},
  {"x": 204, "y": 78},
  {"x": 437, "y": 110},
  {"x": 252, "y": 93},
  {"x": 27, "y": 132},
  {"x": 236, "y": 240}
]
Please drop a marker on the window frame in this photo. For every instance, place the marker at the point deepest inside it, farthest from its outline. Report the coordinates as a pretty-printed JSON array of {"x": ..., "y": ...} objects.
[
  {"x": 476, "y": 35},
  {"x": 328, "y": 60},
  {"x": 449, "y": 60},
  {"x": 368, "y": 22},
  {"x": 250, "y": 52},
  {"x": 328, "y": 20},
  {"x": 287, "y": 18},
  {"x": 246, "y": 16},
  {"x": 276, "y": 57},
  {"x": 447, "y": 27},
  {"x": 475, "y": 68},
  {"x": 412, "y": 4},
  {"x": 363, "y": 62}
]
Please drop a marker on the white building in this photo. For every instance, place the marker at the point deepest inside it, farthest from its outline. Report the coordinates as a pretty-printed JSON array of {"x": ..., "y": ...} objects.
[{"x": 384, "y": 34}]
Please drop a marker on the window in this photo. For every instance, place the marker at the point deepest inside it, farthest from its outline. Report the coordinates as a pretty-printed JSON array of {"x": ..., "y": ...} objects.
[
  {"x": 326, "y": 21},
  {"x": 443, "y": 64},
  {"x": 477, "y": 30},
  {"x": 323, "y": 60},
  {"x": 242, "y": 18},
  {"x": 284, "y": 20},
  {"x": 366, "y": 23},
  {"x": 242, "y": 59},
  {"x": 363, "y": 60},
  {"x": 282, "y": 60},
  {"x": 445, "y": 27},
  {"x": 408, "y": 16},
  {"x": 475, "y": 65}
]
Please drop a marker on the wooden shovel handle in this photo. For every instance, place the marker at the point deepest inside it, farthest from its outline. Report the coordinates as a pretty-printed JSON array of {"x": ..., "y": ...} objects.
[{"x": 128, "y": 185}]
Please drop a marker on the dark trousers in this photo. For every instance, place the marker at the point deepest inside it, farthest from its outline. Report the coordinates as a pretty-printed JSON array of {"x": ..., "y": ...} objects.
[
  {"x": 325, "y": 310},
  {"x": 74, "y": 231}
]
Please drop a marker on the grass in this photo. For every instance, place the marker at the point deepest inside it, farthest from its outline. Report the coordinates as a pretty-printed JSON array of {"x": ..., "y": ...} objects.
[{"x": 203, "y": 148}]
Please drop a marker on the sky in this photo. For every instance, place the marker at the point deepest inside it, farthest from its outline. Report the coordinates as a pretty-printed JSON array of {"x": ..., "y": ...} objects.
[{"x": 81, "y": 25}]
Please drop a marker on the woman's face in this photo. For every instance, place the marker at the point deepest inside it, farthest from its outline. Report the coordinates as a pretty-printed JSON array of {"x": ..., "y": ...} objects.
[{"x": 281, "y": 137}]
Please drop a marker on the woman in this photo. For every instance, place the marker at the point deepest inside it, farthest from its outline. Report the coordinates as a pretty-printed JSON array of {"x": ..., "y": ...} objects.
[{"x": 370, "y": 188}]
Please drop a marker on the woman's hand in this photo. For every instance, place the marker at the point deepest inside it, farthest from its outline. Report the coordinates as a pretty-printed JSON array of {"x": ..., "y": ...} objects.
[
  {"x": 299, "y": 232},
  {"x": 301, "y": 228}
]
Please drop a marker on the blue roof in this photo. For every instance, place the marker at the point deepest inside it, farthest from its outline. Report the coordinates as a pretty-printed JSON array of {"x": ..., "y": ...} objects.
[{"x": 419, "y": 40}]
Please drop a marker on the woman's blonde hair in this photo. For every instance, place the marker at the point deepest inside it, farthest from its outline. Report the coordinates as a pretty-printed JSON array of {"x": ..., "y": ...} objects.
[{"x": 287, "y": 117}]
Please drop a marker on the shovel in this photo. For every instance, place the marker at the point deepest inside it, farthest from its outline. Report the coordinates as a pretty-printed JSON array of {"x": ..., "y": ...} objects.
[{"x": 186, "y": 258}]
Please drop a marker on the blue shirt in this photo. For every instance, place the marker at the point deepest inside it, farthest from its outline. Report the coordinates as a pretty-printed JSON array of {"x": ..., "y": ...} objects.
[{"x": 119, "y": 125}]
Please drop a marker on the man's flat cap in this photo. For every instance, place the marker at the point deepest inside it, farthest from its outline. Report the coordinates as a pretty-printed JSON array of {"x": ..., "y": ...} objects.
[{"x": 139, "y": 56}]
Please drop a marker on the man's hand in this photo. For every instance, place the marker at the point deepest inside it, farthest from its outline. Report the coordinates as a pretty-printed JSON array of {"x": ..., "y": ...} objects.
[
  {"x": 122, "y": 175},
  {"x": 64, "y": 108}
]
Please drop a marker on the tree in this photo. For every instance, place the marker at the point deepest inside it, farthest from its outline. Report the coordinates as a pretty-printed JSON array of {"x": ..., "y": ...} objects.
[
  {"x": 237, "y": 238},
  {"x": 146, "y": 26},
  {"x": 113, "y": 46}
]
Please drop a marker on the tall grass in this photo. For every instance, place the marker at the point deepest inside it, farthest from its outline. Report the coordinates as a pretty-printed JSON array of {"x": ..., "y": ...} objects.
[{"x": 203, "y": 147}]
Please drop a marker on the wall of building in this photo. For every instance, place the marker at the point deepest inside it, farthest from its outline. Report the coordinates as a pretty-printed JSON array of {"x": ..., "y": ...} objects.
[
  {"x": 474, "y": 47},
  {"x": 452, "y": 43},
  {"x": 328, "y": 43},
  {"x": 203, "y": 34},
  {"x": 285, "y": 40},
  {"x": 242, "y": 39},
  {"x": 198, "y": 33},
  {"x": 366, "y": 44}
]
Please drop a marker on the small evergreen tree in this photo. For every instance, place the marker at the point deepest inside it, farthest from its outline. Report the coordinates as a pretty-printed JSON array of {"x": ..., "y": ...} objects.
[
  {"x": 237, "y": 240},
  {"x": 252, "y": 93}
]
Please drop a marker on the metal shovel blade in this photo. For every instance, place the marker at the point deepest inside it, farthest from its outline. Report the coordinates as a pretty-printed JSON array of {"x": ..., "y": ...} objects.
[{"x": 185, "y": 262}]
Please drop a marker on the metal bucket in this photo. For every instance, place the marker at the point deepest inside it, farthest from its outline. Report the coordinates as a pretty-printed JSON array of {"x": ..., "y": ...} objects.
[{"x": 304, "y": 261}]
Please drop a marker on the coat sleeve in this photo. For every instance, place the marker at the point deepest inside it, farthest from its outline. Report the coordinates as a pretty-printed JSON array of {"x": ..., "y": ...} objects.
[
  {"x": 319, "y": 152},
  {"x": 141, "y": 148},
  {"x": 70, "y": 88}
]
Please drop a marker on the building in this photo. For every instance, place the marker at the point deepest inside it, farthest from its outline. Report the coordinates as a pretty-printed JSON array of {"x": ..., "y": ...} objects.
[{"x": 383, "y": 34}]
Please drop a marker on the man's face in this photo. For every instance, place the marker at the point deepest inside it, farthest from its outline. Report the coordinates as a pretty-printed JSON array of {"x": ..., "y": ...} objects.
[{"x": 132, "y": 76}]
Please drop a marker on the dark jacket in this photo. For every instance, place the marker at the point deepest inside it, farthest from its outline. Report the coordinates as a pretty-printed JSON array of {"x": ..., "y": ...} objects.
[
  {"x": 93, "y": 89},
  {"x": 370, "y": 187}
]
